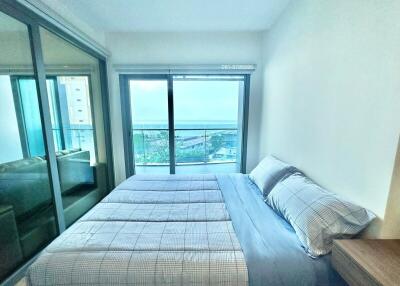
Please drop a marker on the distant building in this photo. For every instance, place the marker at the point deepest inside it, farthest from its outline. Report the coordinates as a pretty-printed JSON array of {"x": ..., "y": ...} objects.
[
  {"x": 224, "y": 154},
  {"x": 191, "y": 142}
]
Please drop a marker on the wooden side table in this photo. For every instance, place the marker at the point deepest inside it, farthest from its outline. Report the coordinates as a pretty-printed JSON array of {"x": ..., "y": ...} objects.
[{"x": 367, "y": 261}]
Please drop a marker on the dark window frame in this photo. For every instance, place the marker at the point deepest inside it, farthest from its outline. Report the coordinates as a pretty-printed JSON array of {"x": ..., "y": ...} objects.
[{"x": 127, "y": 120}]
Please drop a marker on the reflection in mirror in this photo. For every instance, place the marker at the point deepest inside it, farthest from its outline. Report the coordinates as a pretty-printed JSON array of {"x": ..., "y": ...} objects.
[
  {"x": 27, "y": 221},
  {"x": 73, "y": 85}
]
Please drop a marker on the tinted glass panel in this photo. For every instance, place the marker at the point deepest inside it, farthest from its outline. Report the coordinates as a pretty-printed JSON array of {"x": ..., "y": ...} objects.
[
  {"x": 206, "y": 110},
  {"x": 149, "y": 107},
  {"x": 31, "y": 116},
  {"x": 51, "y": 85},
  {"x": 27, "y": 221}
]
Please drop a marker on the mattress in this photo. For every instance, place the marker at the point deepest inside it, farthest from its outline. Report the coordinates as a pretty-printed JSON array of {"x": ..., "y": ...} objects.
[
  {"x": 181, "y": 230},
  {"x": 151, "y": 230}
]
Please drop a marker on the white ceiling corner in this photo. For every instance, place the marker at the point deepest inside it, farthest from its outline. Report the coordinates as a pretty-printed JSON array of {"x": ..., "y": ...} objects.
[{"x": 69, "y": 23}]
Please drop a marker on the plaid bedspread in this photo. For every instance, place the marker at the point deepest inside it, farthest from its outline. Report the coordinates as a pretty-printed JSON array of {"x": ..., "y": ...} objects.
[{"x": 151, "y": 230}]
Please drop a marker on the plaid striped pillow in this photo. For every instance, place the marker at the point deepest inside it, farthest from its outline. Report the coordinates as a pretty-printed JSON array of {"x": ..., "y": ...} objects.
[
  {"x": 317, "y": 216},
  {"x": 268, "y": 172}
]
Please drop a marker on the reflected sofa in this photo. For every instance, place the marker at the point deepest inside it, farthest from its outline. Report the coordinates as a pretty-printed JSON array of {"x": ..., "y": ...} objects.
[{"x": 27, "y": 221}]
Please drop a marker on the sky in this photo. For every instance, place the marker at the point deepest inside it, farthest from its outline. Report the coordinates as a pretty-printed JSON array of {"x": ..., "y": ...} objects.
[{"x": 194, "y": 100}]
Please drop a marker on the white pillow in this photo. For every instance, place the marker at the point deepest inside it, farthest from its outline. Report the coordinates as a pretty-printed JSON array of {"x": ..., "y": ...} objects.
[{"x": 268, "y": 172}]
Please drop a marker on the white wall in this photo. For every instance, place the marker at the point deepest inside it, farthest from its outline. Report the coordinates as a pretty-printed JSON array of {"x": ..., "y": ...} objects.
[
  {"x": 184, "y": 48},
  {"x": 331, "y": 101}
]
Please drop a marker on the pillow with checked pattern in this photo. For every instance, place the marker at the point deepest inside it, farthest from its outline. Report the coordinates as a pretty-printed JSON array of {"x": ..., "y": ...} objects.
[
  {"x": 268, "y": 172},
  {"x": 317, "y": 215}
]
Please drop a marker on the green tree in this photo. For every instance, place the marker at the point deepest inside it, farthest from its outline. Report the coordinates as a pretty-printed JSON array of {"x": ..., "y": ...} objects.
[{"x": 216, "y": 142}]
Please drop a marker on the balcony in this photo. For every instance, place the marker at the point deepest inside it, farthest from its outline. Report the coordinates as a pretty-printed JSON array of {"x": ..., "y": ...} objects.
[{"x": 199, "y": 150}]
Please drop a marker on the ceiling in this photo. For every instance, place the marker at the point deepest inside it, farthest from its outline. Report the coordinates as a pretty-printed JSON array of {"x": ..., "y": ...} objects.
[{"x": 172, "y": 15}]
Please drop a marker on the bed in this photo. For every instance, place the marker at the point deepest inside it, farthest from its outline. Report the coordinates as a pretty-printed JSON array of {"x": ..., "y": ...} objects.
[{"x": 181, "y": 230}]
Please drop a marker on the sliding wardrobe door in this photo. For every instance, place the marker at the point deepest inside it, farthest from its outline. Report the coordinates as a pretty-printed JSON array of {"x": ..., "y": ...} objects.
[
  {"x": 74, "y": 91},
  {"x": 207, "y": 123},
  {"x": 27, "y": 212},
  {"x": 148, "y": 125}
]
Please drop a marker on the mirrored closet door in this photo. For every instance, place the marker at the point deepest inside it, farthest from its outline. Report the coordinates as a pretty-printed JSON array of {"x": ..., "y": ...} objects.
[
  {"x": 27, "y": 211},
  {"x": 55, "y": 143}
]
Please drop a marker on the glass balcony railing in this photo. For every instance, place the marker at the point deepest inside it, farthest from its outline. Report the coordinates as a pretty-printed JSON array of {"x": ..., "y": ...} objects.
[{"x": 192, "y": 146}]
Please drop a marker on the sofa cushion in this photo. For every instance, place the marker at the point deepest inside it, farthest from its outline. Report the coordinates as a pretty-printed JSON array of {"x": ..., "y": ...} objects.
[
  {"x": 20, "y": 165},
  {"x": 74, "y": 170},
  {"x": 24, "y": 184}
]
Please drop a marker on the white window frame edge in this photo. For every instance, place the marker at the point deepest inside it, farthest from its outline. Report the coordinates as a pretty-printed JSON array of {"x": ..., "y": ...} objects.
[{"x": 185, "y": 69}]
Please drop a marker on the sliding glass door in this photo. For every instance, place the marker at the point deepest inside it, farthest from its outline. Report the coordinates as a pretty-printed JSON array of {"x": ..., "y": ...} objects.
[
  {"x": 149, "y": 125},
  {"x": 206, "y": 113},
  {"x": 184, "y": 124}
]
